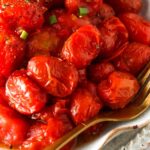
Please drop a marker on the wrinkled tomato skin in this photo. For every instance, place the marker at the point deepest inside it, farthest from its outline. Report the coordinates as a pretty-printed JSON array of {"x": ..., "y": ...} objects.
[
  {"x": 84, "y": 106},
  {"x": 52, "y": 126},
  {"x": 13, "y": 127},
  {"x": 26, "y": 15},
  {"x": 82, "y": 46},
  {"x": 114, "y": 34},
  {"x": 121, "y": 6},
  {"x": 12, "y": 50},
  {"x": 134, "y": 58},
  {"x": 138, "y": 27},
  {"x": 92, "y": 6},
  {"x": 44, "y": 42},
  {"x": 118, "y": 90},
  {"x": 58, "y": 77},
  {"x": 100, "y": 71},
  {"x": 105, "y": 11},
  {"x": 24, "y": 95}
]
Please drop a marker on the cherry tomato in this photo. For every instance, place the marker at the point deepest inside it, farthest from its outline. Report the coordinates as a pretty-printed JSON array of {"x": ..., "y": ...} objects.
[
  {"x": 26, "y": 15},
  {"x": 118, "y": 90},
  {"x": 43, "y": 134},
  {"x": 84, "y": 105},
  {"x": 13, "y": 127},
  {"x": 82, "y": 46},
  {"x": 11, "y": 53},
  {"x": 100, "y": 71},
  {"x": 114, "y": 34},
  {"x": 24, "y": 95},
  {"x": 138, "y": 27},
  {"x": 44, "y": 42},
  {"x": 130, "y": 61},
  {"x": 121, "y": 6},
  {"x": 106, "y": 11},
  {"x": 58, "y": 77}
]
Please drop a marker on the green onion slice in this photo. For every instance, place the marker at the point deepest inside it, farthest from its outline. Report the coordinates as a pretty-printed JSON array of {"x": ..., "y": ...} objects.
[
  {"x": 53, "y": 19},
  {"x": 83, "y": 11},
  {"x": 24, "y": 35}
]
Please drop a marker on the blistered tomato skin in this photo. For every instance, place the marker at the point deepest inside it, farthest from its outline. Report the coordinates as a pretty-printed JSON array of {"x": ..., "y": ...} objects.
[
  {"x": 84, "y": 106},
  {"x": 13, "y": 127},
  {"x": 24, "y": 95},
  {"x": 82, "y": 46},
  {"x": 58, "y": 77},
  {"x": 138, "y": 27},
  {"x": 11, "y": 53},
  {"x": 55, "y": 124},
  {"x": 114, "y": 34},
  {"x": 100, "y": 71},
  {"x": 121, "y": 6},
  {"x": 118, "y": 90},
  {"x": 134, "y": 57},
  {"x": 26, "y": 15}
]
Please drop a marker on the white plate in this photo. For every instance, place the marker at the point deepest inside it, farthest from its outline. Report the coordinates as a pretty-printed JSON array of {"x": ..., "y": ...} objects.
[{"x": 115, "y": 129}]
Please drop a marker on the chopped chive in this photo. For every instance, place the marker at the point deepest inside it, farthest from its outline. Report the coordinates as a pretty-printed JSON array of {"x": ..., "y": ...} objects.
[
  {"x": 24, "y": 35},
  {"x": 53, "y": 19},
  {"x": 83, "y": 11}
]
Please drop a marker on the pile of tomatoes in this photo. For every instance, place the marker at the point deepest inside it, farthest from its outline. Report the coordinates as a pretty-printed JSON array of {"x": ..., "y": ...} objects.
[{"x": 62, "y": 62}]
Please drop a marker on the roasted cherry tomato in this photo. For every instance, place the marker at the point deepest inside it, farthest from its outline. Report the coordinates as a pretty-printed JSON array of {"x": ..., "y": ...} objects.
[
  {"x": 82, "y": 46},
  {"x": 126, "y": 5},
  {"x": 118, "y": 90},
  {"x": 134, "y": 57},
  {"x": 45, "y": 133},
  {"x": 22, "y": 14},
  {"x": 13, "y": 127},
  {"x": 100, "y": 71},
  {"x": 24, "y": 95},
  {"x": 11, "y": 53},
  {"x": 84, "y": 105},
  {"x": 138, "y": 27},
  {"x": 114, "y": 34},
  {"x": 58, "y": 77},
  {"x": 44, "y": 42},
  {"x": 105, "y": 11}
]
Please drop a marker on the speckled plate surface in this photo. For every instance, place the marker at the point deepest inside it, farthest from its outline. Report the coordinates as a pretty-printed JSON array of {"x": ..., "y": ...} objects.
[{"x": 115, "y": 129}]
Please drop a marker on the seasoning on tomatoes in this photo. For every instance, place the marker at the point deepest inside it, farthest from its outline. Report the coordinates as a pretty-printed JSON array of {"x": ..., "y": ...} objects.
[{"x": 118, "y": 90}]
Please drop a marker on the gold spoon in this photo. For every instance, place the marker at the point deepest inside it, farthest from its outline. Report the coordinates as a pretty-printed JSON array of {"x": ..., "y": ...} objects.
[{"x": 140, "y": 104}]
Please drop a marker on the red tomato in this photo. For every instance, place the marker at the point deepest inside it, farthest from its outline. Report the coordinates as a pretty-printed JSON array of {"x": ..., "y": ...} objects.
[
  {"x": 84, "y": 105},
  {"x": 100, "y": 71},
  {"x": 13, "y": 127},
  {"x": 44, "y": 134},
  {"x": 44, "y": 42},
  {"x": 138, "y": 27},
  {"x": 82, "y": 75},
  {"x": 134, "y": 57},
  {"x": 3, "y": 97},
  {"x": 114, "y": 34},
  {"x": 24, "y": 95},
  {"x": 126, "y": 5},
  {"x": 26, "y": 15},
  {"x": 82, "y": 46},
  {"x": 118, "y": 90},
  {"x": 106, "y": 11},
  {"x": 92, "y": 6},
  {"x": 11, "y": 53},
  {"x": 58, "y": 77}
]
